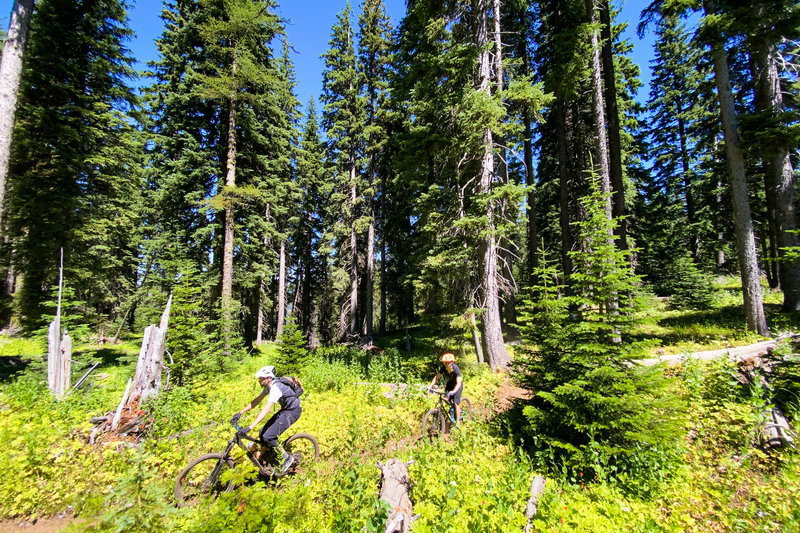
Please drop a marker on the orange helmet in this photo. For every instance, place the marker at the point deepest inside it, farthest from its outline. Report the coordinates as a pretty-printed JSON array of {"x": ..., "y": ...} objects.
[{"x": 448, "y": 358}]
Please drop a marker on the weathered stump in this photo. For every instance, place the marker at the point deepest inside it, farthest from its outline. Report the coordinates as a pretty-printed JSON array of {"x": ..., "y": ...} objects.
[
  {"x": 146, "y": 382},
  {"x": 395, "y": 484},
  {"x": 59, "y": 348}
]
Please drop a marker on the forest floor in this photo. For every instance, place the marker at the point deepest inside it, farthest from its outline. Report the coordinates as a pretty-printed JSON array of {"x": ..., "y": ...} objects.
[
  {"x": 505, "y": 397},
  {"x": 42, "y": 525}
]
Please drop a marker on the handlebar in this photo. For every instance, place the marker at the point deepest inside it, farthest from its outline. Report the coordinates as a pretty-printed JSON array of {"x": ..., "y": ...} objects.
[{"x": 238, "y": 427}]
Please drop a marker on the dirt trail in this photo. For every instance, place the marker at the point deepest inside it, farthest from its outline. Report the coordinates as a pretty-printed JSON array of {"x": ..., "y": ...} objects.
[{"x": 42, "y": 525}]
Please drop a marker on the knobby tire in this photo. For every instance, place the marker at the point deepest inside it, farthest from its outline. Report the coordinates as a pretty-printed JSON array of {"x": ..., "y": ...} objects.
[
  {"x": 303, "y": 445},
  {"x": 433, "y": 424},
  {"x": 202, "y": 477}
]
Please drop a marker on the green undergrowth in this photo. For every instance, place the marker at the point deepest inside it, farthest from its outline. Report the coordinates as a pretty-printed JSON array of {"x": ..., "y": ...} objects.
[{"x": 478, "y": 479}]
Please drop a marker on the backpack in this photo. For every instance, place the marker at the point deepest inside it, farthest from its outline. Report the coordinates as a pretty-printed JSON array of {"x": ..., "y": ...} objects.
[{"x": 293, "y": 383}]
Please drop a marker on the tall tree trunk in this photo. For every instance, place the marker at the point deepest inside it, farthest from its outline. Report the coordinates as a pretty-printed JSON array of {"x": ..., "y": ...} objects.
[
  {"x": 353, "y": 330},
  {"x": 779, "y": 174},
  {"x": 688, "y": 192},
  {"x": 10, "y": 73},
  {"x": 745, "y": 236},
  {"x": 307, "y": 302},
  {"x": 493, "y": 333},
  {"x": 598, "y": 111},
  {"x": 564, "y": 185},
  {"x": 508, "y": 288},
  {"x": 369, "y": 290},
  {"x": 262, "y": 286},
  {"x": 612, "y": 115},
  {"x": 227, "y": 252},
  {"x": 281, "y": 290},
  {"x": 382, "y": 327}
]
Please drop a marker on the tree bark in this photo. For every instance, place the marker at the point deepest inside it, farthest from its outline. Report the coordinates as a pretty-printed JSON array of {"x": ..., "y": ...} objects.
[
  {"x": 745, "y": 236},
  {"x": 779, "y": 174},
  {"x": 353, "y": 330},
  {"x": 281, "y": 290},
  {"x": 227, "y": 252},
  {"x": 394, "y": 490},
  {"x": 382, "y": 327},
  {"x": 492, "y": 324},
  {"x": 612, "y": 115},
  {"x": 147, "y": 379},
  {"x": 370, "y": 273},
  {"x": 10, "y": 73},
  {"x": 601, "y": 140},
  {"x": 564, "y": 185}
]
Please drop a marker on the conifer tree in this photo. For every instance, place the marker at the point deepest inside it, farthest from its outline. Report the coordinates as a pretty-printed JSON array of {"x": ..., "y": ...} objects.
[
  {"x": 593, "y": 410},
  {"x": 75, "y": 167},
  {"x": 13, "y": 51},
  {"x": 235, "y": 39},
  {"x": 681, "y": 109},
  {"x": 343, "y": 123},
  {"x": 745, "y": 237},
  {"x": 374, "y": 62},
  {"x": 309, "y": 228}
]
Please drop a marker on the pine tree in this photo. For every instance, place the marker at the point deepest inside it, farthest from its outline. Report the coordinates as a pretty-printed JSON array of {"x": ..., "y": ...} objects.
[
  {"x": 190, "y": 346},
  {"x": 235, "y": 39},
  {"x": 593, "y": 411},
  {"x": 680, "y": 108},
  {"x": 13, "y": 52},
  {"x": 311, "y": 182},
  {"x": 75, "y": 168},
  {"x": 745, "y": 238},
  {"x": 343, "y": 122},
  {"x": 374, "y": 62},
  {"x": 292, "y": 353}
]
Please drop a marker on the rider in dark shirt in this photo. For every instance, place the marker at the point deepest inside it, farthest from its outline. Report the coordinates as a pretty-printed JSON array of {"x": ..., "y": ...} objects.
[{"x": 454, "y": 385}]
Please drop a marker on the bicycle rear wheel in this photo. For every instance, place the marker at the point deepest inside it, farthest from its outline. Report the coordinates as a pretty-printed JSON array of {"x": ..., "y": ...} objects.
[
  {"x": 432, "y": 425},
  {"x": 466, "y": 409},
  {"x": 203, "y": 477},
  {"x": 303, "y": 447}
]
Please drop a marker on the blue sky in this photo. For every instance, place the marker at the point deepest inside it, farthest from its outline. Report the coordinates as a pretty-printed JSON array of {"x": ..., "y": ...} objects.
[{"x": 309, "y": 32}]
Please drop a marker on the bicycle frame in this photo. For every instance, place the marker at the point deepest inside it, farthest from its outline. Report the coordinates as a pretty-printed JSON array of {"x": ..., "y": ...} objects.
[
  {"x": 237, "y": 441},
  {"x": 443, "y": 405}
]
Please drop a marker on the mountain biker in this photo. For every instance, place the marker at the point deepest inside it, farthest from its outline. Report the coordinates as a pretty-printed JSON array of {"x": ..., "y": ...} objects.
[
  {"x": 276, "y": 392},
  {"x": 454, "y": 385}
]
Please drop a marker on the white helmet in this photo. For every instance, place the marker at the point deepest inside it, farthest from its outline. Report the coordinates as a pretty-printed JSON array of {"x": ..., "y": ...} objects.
[{"x": 266, "y": 372}]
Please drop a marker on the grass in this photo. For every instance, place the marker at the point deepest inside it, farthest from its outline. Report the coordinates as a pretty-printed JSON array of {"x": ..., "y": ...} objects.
[{"x": 477, "y": 480}]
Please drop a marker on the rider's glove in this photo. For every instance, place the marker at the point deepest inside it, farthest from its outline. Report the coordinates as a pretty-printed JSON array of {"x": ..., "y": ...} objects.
[
  {"x": 236, "y": 418},
  {"x": 430, "y": 390},
  {"x": 243, "y": 431},
  {"x": 448, "y": 396}
]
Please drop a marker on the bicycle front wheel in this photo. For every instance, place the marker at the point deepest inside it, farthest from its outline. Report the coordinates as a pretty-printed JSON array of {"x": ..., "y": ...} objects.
[
  {"x": 203, "y": 477},
  {"x": 303, "y": 447},
  {"x": 432, "y": 425}
]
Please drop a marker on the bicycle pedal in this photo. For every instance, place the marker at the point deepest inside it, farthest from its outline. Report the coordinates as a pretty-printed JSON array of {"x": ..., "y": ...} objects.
[{"x": 266, "y": 470}]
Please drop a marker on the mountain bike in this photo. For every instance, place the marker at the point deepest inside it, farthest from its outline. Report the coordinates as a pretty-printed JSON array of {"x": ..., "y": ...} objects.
[
  {"x": 205, "y": 475},
  {"x": 439, "y": 420}
]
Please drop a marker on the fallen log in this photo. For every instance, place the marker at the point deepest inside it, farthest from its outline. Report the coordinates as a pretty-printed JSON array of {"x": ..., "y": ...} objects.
[
  {"x": 734, "y": 354},
  {"x": 395, "y": 484},
  {"x": 537, "y": 488},
  {"x": 775, "y": 430}
]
